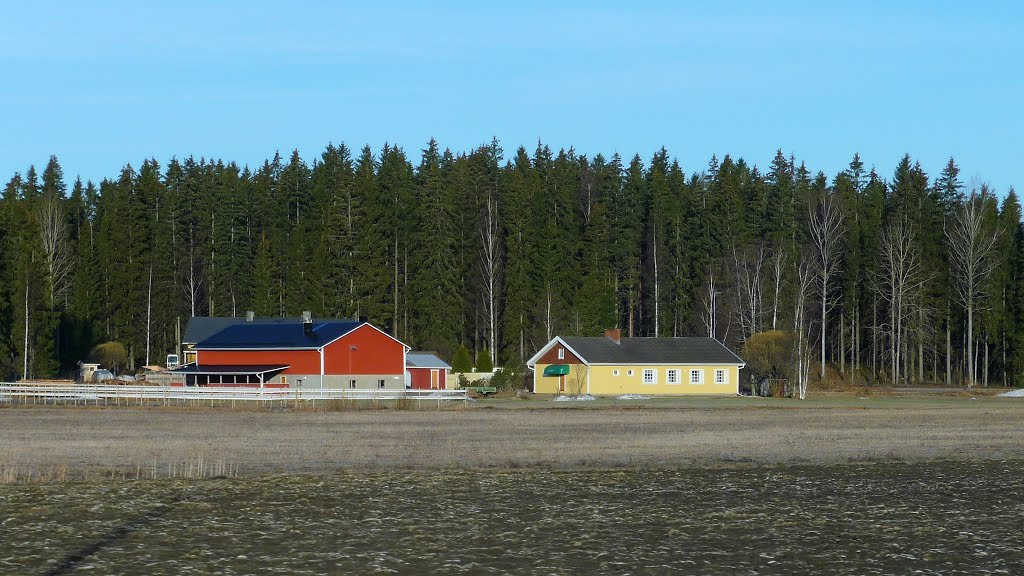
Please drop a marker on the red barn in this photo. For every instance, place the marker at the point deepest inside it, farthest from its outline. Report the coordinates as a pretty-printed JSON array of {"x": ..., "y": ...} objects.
[
  {"x": 426, "y": 371},
  {"x": 298, "y": 354}
]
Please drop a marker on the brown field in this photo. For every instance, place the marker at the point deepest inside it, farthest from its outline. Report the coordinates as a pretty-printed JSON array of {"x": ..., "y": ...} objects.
[{"x": 69, "y": 442}]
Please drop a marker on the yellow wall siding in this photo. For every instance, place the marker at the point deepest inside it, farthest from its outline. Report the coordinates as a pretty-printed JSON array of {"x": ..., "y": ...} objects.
[
  {"x": 549, "y": 384},
  {"x": 604, "y": 382}
]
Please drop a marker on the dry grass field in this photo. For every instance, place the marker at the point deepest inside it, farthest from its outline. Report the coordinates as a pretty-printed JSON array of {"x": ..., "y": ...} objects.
[{"x": 70, "y": 443}]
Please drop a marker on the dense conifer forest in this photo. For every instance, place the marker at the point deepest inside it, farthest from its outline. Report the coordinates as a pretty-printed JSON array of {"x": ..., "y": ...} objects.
[{"x": 901, "y": 277}]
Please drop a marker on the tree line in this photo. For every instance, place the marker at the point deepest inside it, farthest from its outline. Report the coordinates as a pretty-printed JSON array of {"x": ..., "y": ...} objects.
[{"x": 900, "y": 279}]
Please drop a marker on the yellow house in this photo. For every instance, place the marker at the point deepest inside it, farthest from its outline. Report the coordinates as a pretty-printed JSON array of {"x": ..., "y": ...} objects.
[{"x": 612, "y": 365}]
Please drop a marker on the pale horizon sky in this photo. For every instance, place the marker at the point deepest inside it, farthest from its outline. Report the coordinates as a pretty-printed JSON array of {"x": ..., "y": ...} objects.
[{"x": 107, "y": 84}]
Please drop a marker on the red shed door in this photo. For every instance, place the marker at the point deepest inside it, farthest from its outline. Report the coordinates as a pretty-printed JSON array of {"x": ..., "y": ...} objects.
[{"x": 434, "y": 382}]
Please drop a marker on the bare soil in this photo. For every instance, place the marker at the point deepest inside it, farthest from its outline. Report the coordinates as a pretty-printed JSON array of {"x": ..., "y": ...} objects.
[{"x": 71, "y": 443}]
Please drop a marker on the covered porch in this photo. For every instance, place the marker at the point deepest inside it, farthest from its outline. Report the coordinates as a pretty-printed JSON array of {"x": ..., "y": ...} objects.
[{"x": 255, "y": 376}]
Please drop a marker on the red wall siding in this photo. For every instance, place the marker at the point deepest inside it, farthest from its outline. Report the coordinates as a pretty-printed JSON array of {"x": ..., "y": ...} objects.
[
  {"x": 301, "y": 361},
  {"x": 421, "y": 378},
  {"x": 551, "y": 356},
  {"x": 376, "y": 353}
]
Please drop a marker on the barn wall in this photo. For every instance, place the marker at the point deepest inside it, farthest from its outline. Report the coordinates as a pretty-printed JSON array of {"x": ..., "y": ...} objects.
[{"x": 376, "y": 353}]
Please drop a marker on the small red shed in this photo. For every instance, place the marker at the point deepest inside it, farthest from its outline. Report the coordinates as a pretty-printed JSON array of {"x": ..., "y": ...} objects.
[{"x": 426, "y": 371}]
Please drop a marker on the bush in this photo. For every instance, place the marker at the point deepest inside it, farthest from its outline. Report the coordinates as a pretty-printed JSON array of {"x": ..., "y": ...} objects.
[
  {"x": 110, "y": 355},
  {"x": 507, "y": 378},
  {"x": 483, "y": 361},
  {"x": 769, "y": 357},
  {"x": 462, "y": 362}
]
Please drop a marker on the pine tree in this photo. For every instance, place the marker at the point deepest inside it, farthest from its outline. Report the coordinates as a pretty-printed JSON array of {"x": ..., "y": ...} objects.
[
  {"x": 435, "y": 286},
  {"x": 627, "y": 210},
  {"x": 520, "y": 285},
  {"x": 462, "y": 362}
]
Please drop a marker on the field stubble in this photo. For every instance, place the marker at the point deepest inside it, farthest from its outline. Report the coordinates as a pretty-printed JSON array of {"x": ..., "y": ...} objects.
[{"x": 69, "y": 443}]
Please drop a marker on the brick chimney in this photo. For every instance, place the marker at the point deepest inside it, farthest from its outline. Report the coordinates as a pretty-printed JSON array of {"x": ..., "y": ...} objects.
[{"x": 613, "y": 334}]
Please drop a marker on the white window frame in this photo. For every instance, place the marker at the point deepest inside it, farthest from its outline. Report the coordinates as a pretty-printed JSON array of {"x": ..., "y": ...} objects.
[
  {"x": 673, "y": 372},
  {"x": 700, "y": 376},
  {"x": 652, "y": 373},
  {"x": 615, "y": 372},
  {"x": 724, "y": 374},
  {"x": 561, "y": 353},
  {"x": 629, "y": 372}
]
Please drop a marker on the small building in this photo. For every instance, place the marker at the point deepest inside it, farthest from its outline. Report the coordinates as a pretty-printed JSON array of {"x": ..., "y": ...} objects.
[
  {"x": 86, "y": 370},
  {"x": 612, "y": 365},
  {"x": 426, "y": 371},
  {"x": 295, "y": 353}
]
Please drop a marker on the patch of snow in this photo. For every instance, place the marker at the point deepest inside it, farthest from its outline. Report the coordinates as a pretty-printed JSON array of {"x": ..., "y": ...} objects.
[
  {"x": 581, "y": 397},
  {"x": 1018, "y": 393},
  {"x": 633, "y": 397}
]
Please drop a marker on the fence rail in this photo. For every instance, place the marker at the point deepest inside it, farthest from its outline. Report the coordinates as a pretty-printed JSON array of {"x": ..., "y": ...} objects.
[{"x": 117, "y": 394}]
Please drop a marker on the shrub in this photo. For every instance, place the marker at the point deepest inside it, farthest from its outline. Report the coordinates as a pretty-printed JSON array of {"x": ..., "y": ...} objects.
[
  {"x": 462, "y": 362},
  {"x": 111, "y": 355},
  {"x": 769, "y": 357},
  {"x": 509, "y": 377},
  {"x": 483, "y": 361}
]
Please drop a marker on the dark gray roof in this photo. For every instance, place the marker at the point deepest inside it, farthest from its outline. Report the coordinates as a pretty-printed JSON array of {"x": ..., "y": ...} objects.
[
  {"x": 264, "y": 336},
  {"x": 424, "y": 360},
  {"x": 690, "y": 350},
  {"x": 200, "y": 328}
]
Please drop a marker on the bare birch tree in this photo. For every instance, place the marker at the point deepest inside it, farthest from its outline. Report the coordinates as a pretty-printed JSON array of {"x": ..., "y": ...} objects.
[
  {"x": 826, "y": 228},
  {"x": 778, "y": 268},
  {"x": 709, "y": 309},
  {"x": 900, "y": 279},
  {"x": 657, "y": 296},
  {"x": 56, "y": 248},
  {"x": 490, "y": 263},
  {"x": 971, "y": 238},
  {"x": 801, "y": 326},
  {"x": 193, "y": 282},
  {"x": 749, "y": 265}
]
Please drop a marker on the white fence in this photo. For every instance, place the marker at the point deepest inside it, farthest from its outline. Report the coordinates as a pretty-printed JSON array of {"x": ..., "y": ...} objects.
[{"x": 105, "y": 394}]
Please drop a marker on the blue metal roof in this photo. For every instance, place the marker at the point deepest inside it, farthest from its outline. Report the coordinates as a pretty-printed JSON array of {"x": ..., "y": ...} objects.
[{"x": 258, "y": 336}]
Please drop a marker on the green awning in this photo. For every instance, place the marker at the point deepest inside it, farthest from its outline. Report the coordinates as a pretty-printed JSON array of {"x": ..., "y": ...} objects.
[{"x": 556, "y": 370}]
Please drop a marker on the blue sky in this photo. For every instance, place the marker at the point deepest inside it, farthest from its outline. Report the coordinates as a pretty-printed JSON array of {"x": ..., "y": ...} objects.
[{"x": 111, "y": 83}]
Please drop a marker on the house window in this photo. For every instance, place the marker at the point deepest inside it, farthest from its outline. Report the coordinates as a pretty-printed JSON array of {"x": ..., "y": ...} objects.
[
  {"x": 721, "y": 376},
  {"x": 284, "y": 379},
  {"x": 351, "y": 383},
  {"x": 672, "y": 377},
  {"x": 380, "y": 383},
  {"x": 696, "y": 376},
  {"x": 561, "y": 353},
  {"x": 615, "y": 372},
  {"x": 629, "y": 372},
  {"x": 650, "y": 376}
]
